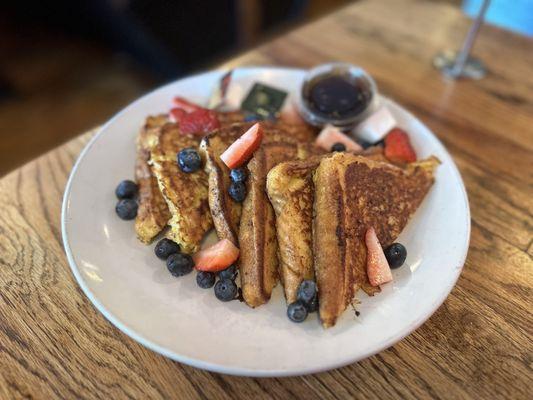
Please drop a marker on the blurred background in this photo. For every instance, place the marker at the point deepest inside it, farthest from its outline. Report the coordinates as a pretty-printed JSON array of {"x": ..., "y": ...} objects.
[{"x": 67, "y": 66}]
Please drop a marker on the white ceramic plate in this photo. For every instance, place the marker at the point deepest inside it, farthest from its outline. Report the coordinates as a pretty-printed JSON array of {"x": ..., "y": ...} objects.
[{"x": 172, "y": 316}]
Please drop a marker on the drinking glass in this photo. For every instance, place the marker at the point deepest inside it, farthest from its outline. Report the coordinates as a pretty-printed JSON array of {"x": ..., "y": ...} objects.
[{"x": 460, "y": 64}]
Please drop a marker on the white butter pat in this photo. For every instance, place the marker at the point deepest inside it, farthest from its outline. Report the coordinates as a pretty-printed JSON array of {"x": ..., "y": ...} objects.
[{"x": 376, "y": 126}]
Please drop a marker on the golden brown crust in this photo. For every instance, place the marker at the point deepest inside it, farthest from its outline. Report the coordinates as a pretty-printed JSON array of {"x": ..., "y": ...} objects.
[
  {"x": 257, "y": 234},
  {"x": 298, "y": 132},
  {"x": 291, "y": 192},
  {"x": 153, "y": 213},
  {"x": 184, "y": 193},
  {"x": 353, "y": 193},
  {"x": 225, "y": 212}
]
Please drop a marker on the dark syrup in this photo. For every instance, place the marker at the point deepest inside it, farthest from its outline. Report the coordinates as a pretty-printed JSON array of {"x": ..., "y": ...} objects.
[{"x": 336, "y": 96}]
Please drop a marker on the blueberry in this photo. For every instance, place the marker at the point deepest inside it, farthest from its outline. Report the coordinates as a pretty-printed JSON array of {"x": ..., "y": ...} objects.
[
  {"x": 228, "y": 273},
  {"x": 189, "y": 160},
  {"x": 126, "y": 190},
  {"x": 166, "y": 247},
  {"x": 313, "y": 305},
  {"x": 238, "y": 175},
  {"x": 364, "y": 144},
  {"x": 237, "y": 191},
  {"x": 225, "y": 290},
  {"x": 297, "y": 311},
  {"x": 306, "y": 292},
  {"x": 396, "y": 255},
  {"x": 126, "y": 209},
  {"x": 205, "y": 279},
  {"x": 338, "y": 147},
  {"x": 180, "y": 264}
]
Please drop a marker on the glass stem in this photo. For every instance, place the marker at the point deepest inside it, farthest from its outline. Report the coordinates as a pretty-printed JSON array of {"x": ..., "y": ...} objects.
[{"x": 462, "y": 57}]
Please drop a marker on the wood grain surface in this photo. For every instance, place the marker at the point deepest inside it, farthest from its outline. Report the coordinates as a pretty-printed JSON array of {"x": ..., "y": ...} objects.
[{"x": 478, "y": 345}]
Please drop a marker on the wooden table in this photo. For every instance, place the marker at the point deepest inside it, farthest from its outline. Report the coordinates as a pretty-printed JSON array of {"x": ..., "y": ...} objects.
[{"x": 53, "y": 343}]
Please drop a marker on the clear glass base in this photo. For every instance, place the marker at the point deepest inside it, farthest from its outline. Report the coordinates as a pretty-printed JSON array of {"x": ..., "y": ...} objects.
[{"x": 446, "y": 63}]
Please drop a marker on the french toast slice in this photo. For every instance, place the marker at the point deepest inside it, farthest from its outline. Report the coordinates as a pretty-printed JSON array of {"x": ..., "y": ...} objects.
[
  {"x": 225, "y": 212},
  {"x": 153, "y": 213},
  {"x": 353, "y": 193},
  {"x": 258, "y": 262},
  {"x": 291, "y": 190},
  {"x": 185, "y": 193}
]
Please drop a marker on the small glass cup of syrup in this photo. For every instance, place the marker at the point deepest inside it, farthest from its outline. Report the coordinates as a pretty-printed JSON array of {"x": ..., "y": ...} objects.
[{"x": 339, "y": 94}]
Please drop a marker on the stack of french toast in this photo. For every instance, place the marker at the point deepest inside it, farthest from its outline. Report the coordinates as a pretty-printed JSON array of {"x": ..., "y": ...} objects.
[{"x": 305, "y": 213}]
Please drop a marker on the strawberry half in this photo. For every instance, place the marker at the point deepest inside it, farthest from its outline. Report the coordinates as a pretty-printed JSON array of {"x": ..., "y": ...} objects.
[
  {"x": 377, "y": 267},
  {"x": 186, "y": 105},
  {"x": 242, "y": 149},
  {"x": 217, "y": 257},
  {"x": 398, "y": 147},
  {"x": 199, "y": 122},
  {"x": 176, "y": 115}
]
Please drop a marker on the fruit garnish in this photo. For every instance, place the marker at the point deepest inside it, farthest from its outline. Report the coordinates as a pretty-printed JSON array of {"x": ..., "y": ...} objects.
[
  {"x": 186, "y": 105},
  {"x": 398, "y": 147},
  {"x": 216, "y": 257},
  {"x": 197, "y": 122},
  {"x": 338, "y": 147},
  {"x": 331, "y": 135},
  {"x": 205, "y": 279},
  {"x": 192, "y": 118},
  {"x": 396, "y": 255},
  {"x": 238, "y": 175},
  {"x": 237, "y": 191},
  {"x": 228, "y": 273},
  {"x": 176, "y": 115},
  {"x": 308, "y": 294},
  {"x": 126, "y": 209},
  {"x": 189, "y": 160},
  {"x": 377, "y": 268},
  {"x": 126, "y": 190},
  {"x": 165, "y": 247},
  {"x": 297, "y": 312},
  {"x": 226, "y": 290},
  {"x": 242, "y": 149},
  {"x": 179, "y": 264}
]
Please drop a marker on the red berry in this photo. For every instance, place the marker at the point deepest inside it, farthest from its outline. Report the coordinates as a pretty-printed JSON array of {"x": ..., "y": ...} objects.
[
  {"x": 176, "y": 115},
  {"x": 186, "y": 105},
  {"x": 398, "y": 147},
  {"x": 200, "y": 121},
  {"x": 377, "y": 267},
  {"x": 216, "y": 257}
]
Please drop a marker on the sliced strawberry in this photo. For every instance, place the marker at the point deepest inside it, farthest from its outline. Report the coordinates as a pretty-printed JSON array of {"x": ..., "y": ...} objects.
[
  {"x": 217, "y": 257},
  {"x": 176, "y": 114},
  {"x": 197, "y": 122},
  {"x": 290, "y": 115},
  {"x": 186, "y": 105},
  {"x": 242, "y": 149},
  {"x": 398, "y": 147},
  {"x": 377, "y": 267},
  {"x": 330, "y": 135}
]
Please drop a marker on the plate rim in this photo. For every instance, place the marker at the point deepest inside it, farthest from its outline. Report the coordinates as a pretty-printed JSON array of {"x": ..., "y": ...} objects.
[{"x": 232, "y": 370}]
